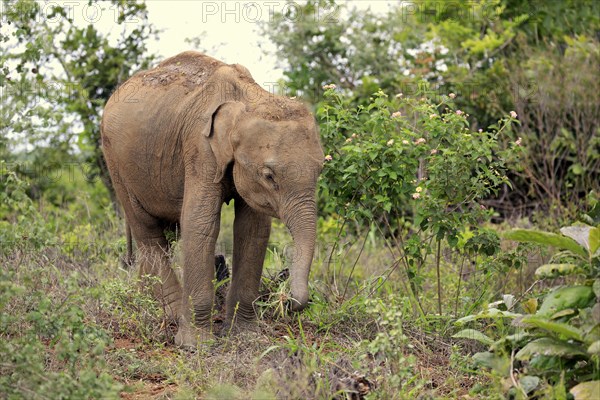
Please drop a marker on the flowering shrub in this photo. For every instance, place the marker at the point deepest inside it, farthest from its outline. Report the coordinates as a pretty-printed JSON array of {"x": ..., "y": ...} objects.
[
  {"x": 414, "y": 170},
  {"x": 409, "y": 158}
]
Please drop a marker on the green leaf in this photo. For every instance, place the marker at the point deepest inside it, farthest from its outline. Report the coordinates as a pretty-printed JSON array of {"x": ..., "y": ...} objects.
[
  {"x": 586, "y": 390},
  {"x": 594, "y": 239},
  {"x": 474, "y": 335},
  {"x": 596, "y": 288},
  {"x": 489, "y": 313},
  {"x": 565, "y": 330},
  {"x": 547, "y": 238},
  {"x": 564, "y": 313},
  {"x": 546, "y": 364},
  {"x": 550, "y": 347},
  {"x": 594, "y": 347},
  {"x": 514, "y": 340},
  {"x": 492, "y": 361},
  {"x": 566, "y": 297},
  {"x": 579, "y": 233},
  {"x": 530, "y": 306},
  {"x": 577, "y": 169},
  {"x": 555, "y": 270},
  {"x": 529, "y": 383}
]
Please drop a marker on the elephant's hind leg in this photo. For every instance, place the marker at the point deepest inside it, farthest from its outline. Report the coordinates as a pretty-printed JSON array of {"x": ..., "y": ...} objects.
[
  {"x": 153, "y": 259},
  {"x": 157, "y": 274}
]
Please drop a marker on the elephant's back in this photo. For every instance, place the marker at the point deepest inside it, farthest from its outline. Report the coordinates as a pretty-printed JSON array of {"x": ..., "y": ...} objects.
[{"x": 189, "y": 69}]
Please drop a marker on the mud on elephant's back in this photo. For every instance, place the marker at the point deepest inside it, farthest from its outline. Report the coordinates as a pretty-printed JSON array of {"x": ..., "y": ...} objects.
[{"x": 190, "y": 69}]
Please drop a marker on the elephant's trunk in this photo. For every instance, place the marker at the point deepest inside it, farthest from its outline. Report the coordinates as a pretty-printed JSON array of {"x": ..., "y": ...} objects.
[{"x": 301, "y": 220}]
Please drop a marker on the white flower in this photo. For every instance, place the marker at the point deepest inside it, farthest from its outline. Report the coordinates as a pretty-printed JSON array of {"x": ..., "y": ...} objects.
[
  {"x": 397, "y": 114},
  {"x": 405, "y": 142},
  {"x": 419, "y": 189},
  {"x": 348, "y": 140},
  {"x": 432, "y": 116},
  {"x": 330, "y": 86},
  {"x": 416, "y": 196},
  {"x": 390, "y": 142},
  {"x": 328, "y": 157},
  {"x": 434, "y": 151},
  {"x": 480, "y": 130},
  {"x": 452, "y": 95},
  {"x": 354, "y": 135},
  {"x": 513, "y": 114},
  {"x": 399, "y": 95},
  {"x": 459, "y": 112},
  {"x": 420, "y": 141},
  {"x": 518, "y": 141}
]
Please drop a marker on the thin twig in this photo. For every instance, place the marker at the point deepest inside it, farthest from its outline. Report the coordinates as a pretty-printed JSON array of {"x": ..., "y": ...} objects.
[
  {"x": 462, "y": 264},
  {"x": 512, "y": 374},
  {"x": 439, "y": 281},
  {"x": 354, "y": 265}
]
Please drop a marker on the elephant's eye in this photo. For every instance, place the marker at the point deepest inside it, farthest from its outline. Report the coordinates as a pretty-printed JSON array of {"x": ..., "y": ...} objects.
[{"x": 269, "y": 176}]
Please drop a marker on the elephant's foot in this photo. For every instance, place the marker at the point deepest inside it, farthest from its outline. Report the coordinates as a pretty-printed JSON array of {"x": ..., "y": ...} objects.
[{"x": 190, "y": 338}]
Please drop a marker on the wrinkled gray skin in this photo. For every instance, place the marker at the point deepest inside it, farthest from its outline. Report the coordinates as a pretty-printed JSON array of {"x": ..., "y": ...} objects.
[{"x": 188, "y": 135}]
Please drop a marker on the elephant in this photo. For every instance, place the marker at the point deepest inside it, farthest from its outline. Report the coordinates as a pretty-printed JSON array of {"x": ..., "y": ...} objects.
[{"x": 181, "y": 139}]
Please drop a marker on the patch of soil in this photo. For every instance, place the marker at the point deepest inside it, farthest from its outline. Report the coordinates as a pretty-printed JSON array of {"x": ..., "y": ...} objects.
[{"x": 151, "y": 390}]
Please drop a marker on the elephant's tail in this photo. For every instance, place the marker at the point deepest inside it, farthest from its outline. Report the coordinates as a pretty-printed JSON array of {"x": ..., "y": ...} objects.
[{"x": 129, "y": 258}]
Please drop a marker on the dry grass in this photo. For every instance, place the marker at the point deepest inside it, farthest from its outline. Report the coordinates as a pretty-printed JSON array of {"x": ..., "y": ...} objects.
[{"x": 325, "y": 352}]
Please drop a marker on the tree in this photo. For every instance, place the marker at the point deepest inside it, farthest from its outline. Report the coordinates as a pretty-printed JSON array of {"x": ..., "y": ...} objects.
[
  {"x": 57, "y": 71},
  {"x": 488, "y": 53}
]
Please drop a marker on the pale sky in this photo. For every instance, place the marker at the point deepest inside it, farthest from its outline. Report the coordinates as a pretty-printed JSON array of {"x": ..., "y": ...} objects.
[
  {"x": 232, "y": 31},
  {"x": 229, "y": 29}
]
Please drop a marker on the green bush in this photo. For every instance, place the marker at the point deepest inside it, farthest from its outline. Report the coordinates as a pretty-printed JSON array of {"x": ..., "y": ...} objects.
[
  {"x": 413, "y": 171},
  {"x": 20, "y": 221},
  {"x": 48, "y": 348},
  {"x": 548, "y": 349}
]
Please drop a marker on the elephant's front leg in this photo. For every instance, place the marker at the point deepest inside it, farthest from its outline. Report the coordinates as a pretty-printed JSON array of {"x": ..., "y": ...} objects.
[
  {"x": 251, "y": 232},
  {"x": 199, "y": 231}
]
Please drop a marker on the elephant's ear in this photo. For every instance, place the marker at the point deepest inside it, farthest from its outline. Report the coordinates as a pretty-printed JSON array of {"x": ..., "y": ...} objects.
[{"x": 221, "y": 133}]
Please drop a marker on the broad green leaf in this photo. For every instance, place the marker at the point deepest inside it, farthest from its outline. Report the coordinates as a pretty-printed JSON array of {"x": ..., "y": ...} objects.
[
  {"x": 489, "y": 313},
  {"x": 529, "y": 383},
  {"x": 594, "y": 347},
  {"x": 581, "y": 234},
  {"x": 596, "y": 288},
  {"x": 545, "y": 364},
  {"x": 565, "y": 330},
  {"x": 554, "y": 270},
  {"x": 564, "y": 313},
  {"x": 547, "y": 238},
  {"x": 492, "y": 361},
  {"x": 566, "y": 297},
  {"x": 586, "y": 391},
  {"x": 514, "y": 340},
  {"x": 594, "y": 239},
  {"x": 550, "y": 347},
  {"x": 474, "y": 335}
]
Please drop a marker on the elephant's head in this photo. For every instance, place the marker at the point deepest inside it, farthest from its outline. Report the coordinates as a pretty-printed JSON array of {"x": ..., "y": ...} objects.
[{"x": 276, "y": 164}]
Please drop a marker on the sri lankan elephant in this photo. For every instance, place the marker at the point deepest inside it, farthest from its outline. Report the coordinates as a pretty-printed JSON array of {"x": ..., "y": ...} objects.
[{"x": 183, "y": 138}]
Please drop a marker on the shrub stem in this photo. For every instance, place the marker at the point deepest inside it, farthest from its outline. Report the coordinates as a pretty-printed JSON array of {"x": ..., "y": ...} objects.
[{"x": 439, "y": 284}]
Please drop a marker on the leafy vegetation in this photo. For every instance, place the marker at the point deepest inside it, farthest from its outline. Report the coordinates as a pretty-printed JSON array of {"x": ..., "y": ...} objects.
[
  {"x": 459, "y": 232},
  {"x": 549, "y": 348}
]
